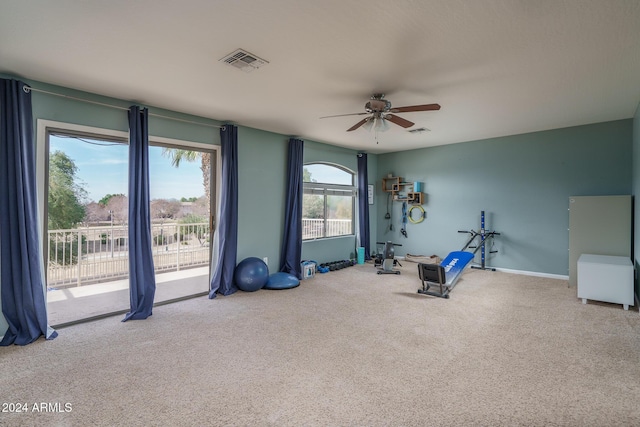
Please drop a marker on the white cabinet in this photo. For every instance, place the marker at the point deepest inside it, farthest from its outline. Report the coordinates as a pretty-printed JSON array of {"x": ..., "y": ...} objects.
[{"x": 605, "y": 278}]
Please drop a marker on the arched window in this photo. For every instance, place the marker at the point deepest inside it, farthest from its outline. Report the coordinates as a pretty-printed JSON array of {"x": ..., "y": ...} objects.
[{"x": 328, "y": 204}]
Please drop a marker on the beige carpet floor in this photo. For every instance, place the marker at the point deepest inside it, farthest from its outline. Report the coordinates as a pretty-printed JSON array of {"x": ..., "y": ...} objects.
[{"x": 346, "y": 348}]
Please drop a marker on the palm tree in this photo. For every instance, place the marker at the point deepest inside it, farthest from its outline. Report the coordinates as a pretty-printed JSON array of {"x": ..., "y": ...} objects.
[{"x": 177, "y": 155}]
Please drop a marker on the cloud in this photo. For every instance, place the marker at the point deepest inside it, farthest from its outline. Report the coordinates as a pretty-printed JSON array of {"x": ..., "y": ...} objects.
[{"x": 114, "y": 162}]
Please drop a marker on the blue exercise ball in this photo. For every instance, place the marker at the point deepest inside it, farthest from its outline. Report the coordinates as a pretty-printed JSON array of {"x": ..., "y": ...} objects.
[
  {"x": 251, "y": 274},
  {"x": 282, "y": 281}
]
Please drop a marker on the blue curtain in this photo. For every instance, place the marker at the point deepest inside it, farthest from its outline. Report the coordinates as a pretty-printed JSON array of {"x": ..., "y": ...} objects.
[
  {"x": 142, "y": 279},
  {"x": 363, "y": 205},
  {"x": 21, "y": 272},
  {"x": 291, "y": 252},
  {"x": 225, "y": 243}
]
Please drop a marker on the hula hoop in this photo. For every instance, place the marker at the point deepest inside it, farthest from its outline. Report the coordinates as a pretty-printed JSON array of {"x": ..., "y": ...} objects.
[{"x": 422, "y": 216}]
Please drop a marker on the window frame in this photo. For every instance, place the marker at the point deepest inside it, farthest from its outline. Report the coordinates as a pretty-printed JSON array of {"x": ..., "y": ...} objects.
[
  {"x": 328, "y": 189},
  {"x": 45, "y": 128}
]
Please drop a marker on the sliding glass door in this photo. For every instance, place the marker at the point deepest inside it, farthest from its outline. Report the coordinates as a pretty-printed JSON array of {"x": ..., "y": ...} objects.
[
  {"x": 86, "y": 223},
  {"x": 181, "y": 230},
  {"x": 86, "y": 253}
]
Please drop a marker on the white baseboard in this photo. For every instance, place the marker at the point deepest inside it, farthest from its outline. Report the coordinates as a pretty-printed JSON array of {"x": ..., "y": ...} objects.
[
  {"x": 523, "y": 272},
  {"x": 534, "y": 273}
]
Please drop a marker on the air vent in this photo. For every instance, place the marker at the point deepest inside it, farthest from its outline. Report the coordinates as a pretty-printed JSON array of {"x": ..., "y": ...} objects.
[
  {"x": 244, "y": 60},
  {"x": 419, "y": 130}
]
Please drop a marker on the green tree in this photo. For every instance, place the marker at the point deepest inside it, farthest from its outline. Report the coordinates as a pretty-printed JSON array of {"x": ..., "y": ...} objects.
[
  {"x": 177, "y": 155},
  {"x": 312, "y": 204},
  {"x": 105, "y": 200},
  {"x": 65, "y": 193},
  {"x": 65, "y": 209},
  {"x": 306, "y": 175}
]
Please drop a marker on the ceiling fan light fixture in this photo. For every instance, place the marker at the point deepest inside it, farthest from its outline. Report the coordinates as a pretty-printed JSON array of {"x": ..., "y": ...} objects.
[
  {"x": 381, "y": 125},
  {"x": 368, "y": 125},
  {"x": 376, "y": 123}
]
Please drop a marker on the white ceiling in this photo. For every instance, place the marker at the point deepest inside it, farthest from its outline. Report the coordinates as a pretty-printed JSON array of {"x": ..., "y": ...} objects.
[{"x": 497, "y": 67}]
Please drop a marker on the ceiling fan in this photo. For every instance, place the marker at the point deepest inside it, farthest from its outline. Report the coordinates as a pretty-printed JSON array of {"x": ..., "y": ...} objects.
[{"x": 380, "y": 111}]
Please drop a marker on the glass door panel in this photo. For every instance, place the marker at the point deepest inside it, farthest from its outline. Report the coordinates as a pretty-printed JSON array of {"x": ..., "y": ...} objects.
[
  {"x": 86, "y": 239},
  {"x": 180, "y": 209}
]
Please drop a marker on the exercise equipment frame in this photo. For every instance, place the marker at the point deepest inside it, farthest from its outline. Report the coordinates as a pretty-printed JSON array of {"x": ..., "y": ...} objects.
[
  {"x": 446, "y": 275},
  {"x": 485, "y": 236},
  {"x": 387, "y": 259}
]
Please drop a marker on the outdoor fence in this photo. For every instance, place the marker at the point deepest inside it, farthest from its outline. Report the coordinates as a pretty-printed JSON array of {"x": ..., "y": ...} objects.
[
  {"x": 95, "y": 254},
  {"x": 314, "y": 228},
  {"x": 90, "y": 255}
]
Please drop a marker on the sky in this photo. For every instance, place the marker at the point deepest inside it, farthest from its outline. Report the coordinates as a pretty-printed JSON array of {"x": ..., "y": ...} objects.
[
  {"x": 102, "y": 169},
  {"x": 329, "y": 175}
]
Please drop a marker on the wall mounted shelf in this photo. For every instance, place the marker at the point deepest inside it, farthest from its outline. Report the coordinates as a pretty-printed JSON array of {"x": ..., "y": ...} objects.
[{"x": 402, "y": 191}]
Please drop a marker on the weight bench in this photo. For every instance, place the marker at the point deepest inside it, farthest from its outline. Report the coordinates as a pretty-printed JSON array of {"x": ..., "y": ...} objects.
[{"x": 445, "y": 275}]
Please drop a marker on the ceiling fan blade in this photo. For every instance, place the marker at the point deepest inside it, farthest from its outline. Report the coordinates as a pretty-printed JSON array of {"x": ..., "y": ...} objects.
[
  {"x": 343, "y": 115},
  {"x": 357, "y": 125},
  {"x": 411, "y": 108},
  {"x": 399, "y": 121}
]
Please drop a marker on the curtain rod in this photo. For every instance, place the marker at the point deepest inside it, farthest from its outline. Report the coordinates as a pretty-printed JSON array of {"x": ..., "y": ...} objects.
[{"x": 28, "y": 89}]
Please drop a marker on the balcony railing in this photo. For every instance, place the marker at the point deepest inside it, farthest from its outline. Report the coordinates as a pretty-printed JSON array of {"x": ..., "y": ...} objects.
[
  {"x": 90, "y": 255},
  {"x": 95, "y": 254},
  {"x": 313, "y": 228}
]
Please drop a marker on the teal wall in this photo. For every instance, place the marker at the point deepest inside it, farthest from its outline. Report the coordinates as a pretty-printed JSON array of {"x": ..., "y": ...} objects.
[
  {"x": 262, "y": 163},
  {"x": 51, "y": 107},
  {"x": 635, "y": 191},
  {"x": 522, "y": 182},
  {"x": 262, "y": 166}
]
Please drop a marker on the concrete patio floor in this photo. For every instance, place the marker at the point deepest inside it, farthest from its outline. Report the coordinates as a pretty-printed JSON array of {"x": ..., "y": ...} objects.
[{"x": 85, "y": 302}]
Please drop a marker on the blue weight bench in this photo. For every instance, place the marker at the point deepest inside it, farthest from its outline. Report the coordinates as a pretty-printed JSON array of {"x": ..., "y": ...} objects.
[{"x": 445, "y": 275}]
